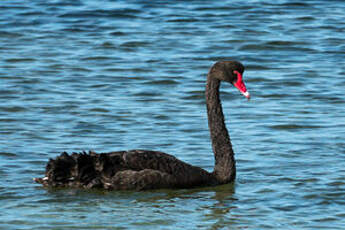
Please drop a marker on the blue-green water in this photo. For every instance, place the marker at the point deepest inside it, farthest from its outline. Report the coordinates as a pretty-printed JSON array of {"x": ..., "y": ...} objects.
[{"x": 116, "y": 75}]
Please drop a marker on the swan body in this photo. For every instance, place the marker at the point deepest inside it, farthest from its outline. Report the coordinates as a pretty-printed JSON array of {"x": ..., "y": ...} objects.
[{"x": 145, "y": 169}]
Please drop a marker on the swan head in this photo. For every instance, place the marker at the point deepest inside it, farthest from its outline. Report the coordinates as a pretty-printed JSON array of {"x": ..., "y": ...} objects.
[{"x": 232, "y": 72}]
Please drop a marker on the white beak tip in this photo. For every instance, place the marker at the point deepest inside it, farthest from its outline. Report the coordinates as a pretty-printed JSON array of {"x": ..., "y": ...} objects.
[{"x": 246, "y": 94}]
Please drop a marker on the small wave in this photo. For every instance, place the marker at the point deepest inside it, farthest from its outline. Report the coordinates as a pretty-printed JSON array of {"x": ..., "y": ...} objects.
[{"x": 294, "y": 127}]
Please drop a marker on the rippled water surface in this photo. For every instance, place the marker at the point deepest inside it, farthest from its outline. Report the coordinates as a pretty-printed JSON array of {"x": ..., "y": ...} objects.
[{"x": 115, "y": 75}]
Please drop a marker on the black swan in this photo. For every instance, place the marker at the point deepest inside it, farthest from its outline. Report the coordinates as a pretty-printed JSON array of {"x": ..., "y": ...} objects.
[{"x": 144, "y": 169}]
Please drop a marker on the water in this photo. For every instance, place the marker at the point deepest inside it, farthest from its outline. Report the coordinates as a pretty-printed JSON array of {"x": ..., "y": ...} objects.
[{"x": 116, "y": 75}]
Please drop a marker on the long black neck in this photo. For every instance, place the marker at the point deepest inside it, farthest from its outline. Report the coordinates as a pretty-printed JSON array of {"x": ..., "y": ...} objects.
[{"x": 225, "y": 168}]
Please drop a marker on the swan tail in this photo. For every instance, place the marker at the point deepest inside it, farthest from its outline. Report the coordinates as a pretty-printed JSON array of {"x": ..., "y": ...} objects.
[{"x": 75, "y": 170}]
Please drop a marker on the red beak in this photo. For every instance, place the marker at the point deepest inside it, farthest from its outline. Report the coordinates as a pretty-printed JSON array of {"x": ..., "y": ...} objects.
[{"x": 239, "y": 84}]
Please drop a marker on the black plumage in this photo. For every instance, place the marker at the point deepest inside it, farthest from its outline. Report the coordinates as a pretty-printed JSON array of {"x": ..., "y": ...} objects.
[{"x": 144, "y": 169}]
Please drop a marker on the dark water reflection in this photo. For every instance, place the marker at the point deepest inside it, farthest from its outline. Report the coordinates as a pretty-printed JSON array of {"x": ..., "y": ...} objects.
[{"x": 79, "y": 75}]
